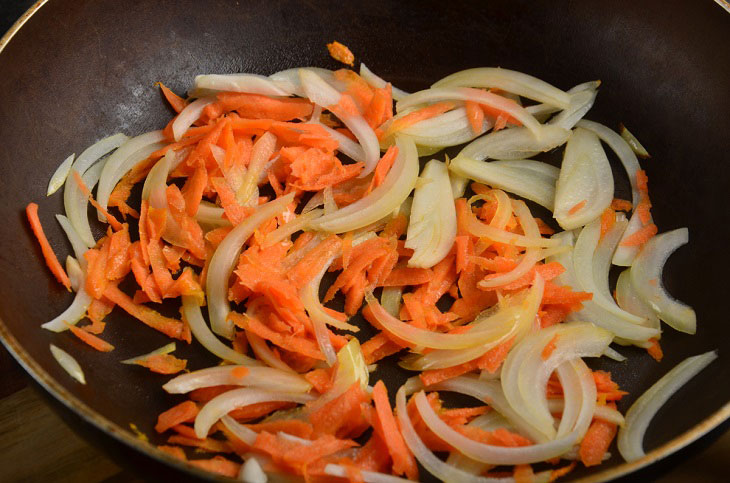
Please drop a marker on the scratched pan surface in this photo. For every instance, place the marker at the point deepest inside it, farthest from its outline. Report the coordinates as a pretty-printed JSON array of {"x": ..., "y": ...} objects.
[{"x": 81, "y": 69}]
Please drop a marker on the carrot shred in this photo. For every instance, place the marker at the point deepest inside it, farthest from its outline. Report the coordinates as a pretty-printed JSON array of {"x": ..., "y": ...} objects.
[
  {"x": 419, "y": 115},
  {"x": 51, "y": 260},
  {"x": 640, "y": 236},
  {"x": 475, "y": 115},
  {"x": 163, "y": 363},
  {"x": 218, "y": 465},
  {"x": 182, "y": 413},
  {"x": 547, "y": 351},
  {"x": 621, "y": 205},
  {"x": 341, "y": 53},
  {"x": 90, "y": 339},
  {"x": 176, "y": 102},
  {"x": 577, "y": 207},
  {"x": 596, "y": 441},
  {"x": 170, "y": 327},
  {"x": 82, "y": 186},
  {"x": 403, "y": 461},
  {"x": 655, "y": 350}
]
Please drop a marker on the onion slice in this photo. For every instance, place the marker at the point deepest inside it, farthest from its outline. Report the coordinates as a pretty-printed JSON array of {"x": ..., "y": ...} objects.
[
  {"x": 432, "y": 225},
  {"x": 211, "y": 215},
  {"x": 629, "y": 300},
  {"x": 468, "y": 94},
  {"x": 515, "y": 143},
  {"x": 78, "y": 245},
  {"x": 251, "y": 471},
  {"x": 249, "y": 83},
  {"x": 367, "y": 476},
  {"x": 60, "y": 175},
  {"x": 448, "y": 129},
  {"x": 376, "y": 81},
  {"x": 188, "y": 116},
  {"x": 68, "y": 363},
  {"x": 289, "y": 80},
  {"x": 260, "y": 377},
  {"x": 224, "y": 259},
  {"x": 631, "y": 140},
  {"x": 206, "y": 338},
  {"x": 383, "y": 200},
  {"x": 585, "y": 186},
  {"x": 631, "y": 435},
  {"x": 165, "y": 349},
  {"x": 580, "y": 103},
  {"x": 646, "y": 278},
  {"x": 508, "y": 80},
  {"x": 221, "y": 405},
  {"x": 74, "y": 313}
]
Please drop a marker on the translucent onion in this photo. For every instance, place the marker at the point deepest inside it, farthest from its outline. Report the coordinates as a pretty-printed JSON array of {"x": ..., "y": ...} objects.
[
  {"x": 300, "y": 222},
  {"x": 367, "y": 476},
  {"x": 631, "y": 436},
  {"x": 263, "y": 149},
  {"x": 468, "y": 94},
  {"x": 489, "y": 421},
  {"x": 515, "y": 143},
  {"x": 75, "y": 273},
  {"x": 604, "y": 413},
  {"x": 390, "y": 299},
  {"x": 629, "y": 300},
  {"x": 485, "y": 332},
  {"x": 206, "y": 338},
  {"x": 631, "y": 140},
  {"x": 68, "y": 363},
  {"x": 432, "y": 225},
  {"x": 247, "y": 435},
  {"x": 125, "y": 158},
  {"x": 221, "y": 405},
  {"x": 383, "y": 200},
  {"x": 250, "y": 83},
  {"x": 251, "y": 472},
  {"x": 458, "y": 184},
  {"x": 448, "y": 129},
  {"x": 346, "y": 146},
  {"x": 646, "y": 278},
  {"x": 78, "y": 245},
  {"x": 525, "y": 373},
  {"x": 225, "y": 258},
  {"x": 323, "y": 94},
  {"x": 165, "y": 349},
  {"x": 585, "y": 186},
  {"x": 289, "y": 80},
  {"x": 580, "y": 103},
  {"x": 497, "y": 455},
  {"x": 543, "y": 111},
  {"x": 155, "y": 184},
  {"x": 188, "y": 116},
  {"x": 211, "y": 215},
  {"x": 74, "y": 313},
  {"x": 579, "y": 389},
  {"x": 60, "y": 175},
  {"x": 441, "y": 470},
  {"x": 522, "y": 323},
  {"x": 624, "y": 254},
  {"x": 482, "y": 230},
  {"x": 508, "y": 80},
  {"x": 264, "y": 353},
  {"x": 375, "y": 81},
  {"x": 260, "y": 377}
]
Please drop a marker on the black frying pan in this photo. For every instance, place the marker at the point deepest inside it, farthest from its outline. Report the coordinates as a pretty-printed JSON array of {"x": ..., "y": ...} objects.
[{"x": 80, "y": 69}]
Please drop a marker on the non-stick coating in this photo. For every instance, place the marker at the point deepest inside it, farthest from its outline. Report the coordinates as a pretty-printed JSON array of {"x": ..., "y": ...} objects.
[{"x": 80, "y": 70}]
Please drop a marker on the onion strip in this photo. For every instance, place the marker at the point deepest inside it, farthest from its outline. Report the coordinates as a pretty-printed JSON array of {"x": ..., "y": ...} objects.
[
  {"x": 261, "y": 377},
  {"x": 59, "y": 176},
  {"x": 68, "y": 363}
]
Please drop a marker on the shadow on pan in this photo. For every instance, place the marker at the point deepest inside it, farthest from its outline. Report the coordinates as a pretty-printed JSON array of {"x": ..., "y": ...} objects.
[{"x": 81, "y": 69}]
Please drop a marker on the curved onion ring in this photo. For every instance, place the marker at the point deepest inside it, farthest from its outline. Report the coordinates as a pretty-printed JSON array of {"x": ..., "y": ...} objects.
[
  {"x": 367, "y": 476},
  {"x": 376, "y": 81},
  {"x": 432, "y": 225},
  {"x": 250, "y": 83},
  {"x": 59, "y": 176},
  {"x": 221, "y": 405},
  {"x": 383, "y": 200},
  {"x": 646, "y": 278},
  {"x": 78, "y": 245},
  {"x": 188, "y": 116},
  {"x": 224, "y": 259},
  {"x": 628, "y": 300},
  {"x": 580, "y": 103},
  {"x": 68, "y": 363},
  {"x": 261, "y": 377},
  {"x": 631, "y": 436},
  {"x": 515, "y": 143},
  {"x": 75, "y": 312}
]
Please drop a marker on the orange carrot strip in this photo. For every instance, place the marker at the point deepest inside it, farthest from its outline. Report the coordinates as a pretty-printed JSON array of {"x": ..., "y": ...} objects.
[
  {"x": 383, "y": 166},
  {"x": 342, "y": 416},
  {"x": 218, "y": 465},
  {"x": 341, "y": 53},
  {"x": 175, "y": 101},
  {"x": 621, "y": 205},
  {"x": 170, "y": 327},
  {"x": 407, "y": 276},
  {"x": 596, "y": 442},
  {"x": 577, "y": 207},
  {"x": 378, "y": 347},
  {"x": 314, "y": 261},
  {"x": 608, "y": 219},
  {"x": 655, "y": 350},
  {"x": 419, "y": 115},
  {"x": 403, "y": 461},
  {"x": 182, "y": 413},
  {"x": 163, "y": 363},
  {"x": 640, "y": 236},
  {"x": 96, "y": 281},
  {"x": 475, "y": 115},
  {"x": 549, "y": 347},
  {"x": 91, "y": 339},
  {"x": 51, "y": 260},
  {"x": 109, "y": 218}
]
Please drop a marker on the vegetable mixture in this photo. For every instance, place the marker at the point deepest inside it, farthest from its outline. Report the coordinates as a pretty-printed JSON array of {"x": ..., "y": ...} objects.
[{"x": 260, "y": 187}]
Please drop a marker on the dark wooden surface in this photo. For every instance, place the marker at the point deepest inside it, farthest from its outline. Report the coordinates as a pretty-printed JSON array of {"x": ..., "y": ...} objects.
[{"x": 35, "y": 445}]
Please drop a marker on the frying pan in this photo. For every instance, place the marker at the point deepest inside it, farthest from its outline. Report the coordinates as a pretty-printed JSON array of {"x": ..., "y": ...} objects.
[{"x": 76, "y": 70}]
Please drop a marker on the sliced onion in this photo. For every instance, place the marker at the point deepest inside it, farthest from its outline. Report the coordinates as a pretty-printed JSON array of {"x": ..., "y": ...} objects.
[
  {"x": 476, "y": 95},
  {"x": 542, "y": 111},
  {"x": 188, "y": 116},
  {"x": 224, "y": 260},
  {"x": 346, "y": 146},
  {"x": 376, "y": 81},
  {"x": 60, "y": 175},
  {"x": 210, "y": 214},
  {"x": 125, "y": 158},
  {"x": 458, "y": 184},
  {"x": 221, "y": 405},
  {"x": 477, "y": 228},
  {"x": 68, "y": 363},
  {"x": 78, "y": 245},
  {"x": 624, "y": 254},
  {"x": 390, "y": 299},
  {"x": 448, "y": 129},
  {"x": 521, "y": 325},
  {"x": 491, "y": 454},
  {"x": 264, "y": 353},
  {"x": 508, "y": 80},
  {"x": 580, "y": 103},
  {"x": 251, "y": 471},
  {"x": 74, "y": 313},
  {"x": 525, "y": 373},
  {"x": 367, "y": 476},
  {"x": 579, "y": 390},
  {"x": 263, "y": 149},
  {"x": 438, "y": 468},
  {"x": 75, "y": 273},
  {"x": 300, "y": 222},
  {"x": 165, "y": 349},
  {"x": 260, "y": 377},
  {"x": 604, "y": 413},
  {"x": 250, "y": 83},
  {"x": 527, "y": 183},
  {"x": 515, "y": 143},
  {"x": 646, "y": 278},
  {"x": 631, "y": 436},
  {"x": 247, "y": 435},
  {"x": 631, "y": 140},
  {"x": 585, "y": 181},
  {"x": 629, "y": 300},
  {"x": 289, "y": 80},
  {"x": 614, "y": 355},
  {"x": 155, "y": 184},
  {"x": 490, "y": 421},
  {"x": 486, "y": 332},
  {"x": 323, "y": 94},
  {"x": 432, "y": 226},
  {"x": 383, "y": 200}
]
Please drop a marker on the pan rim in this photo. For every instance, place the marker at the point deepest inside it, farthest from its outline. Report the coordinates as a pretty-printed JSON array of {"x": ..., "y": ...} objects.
[{"x": 122, "y": 435}]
